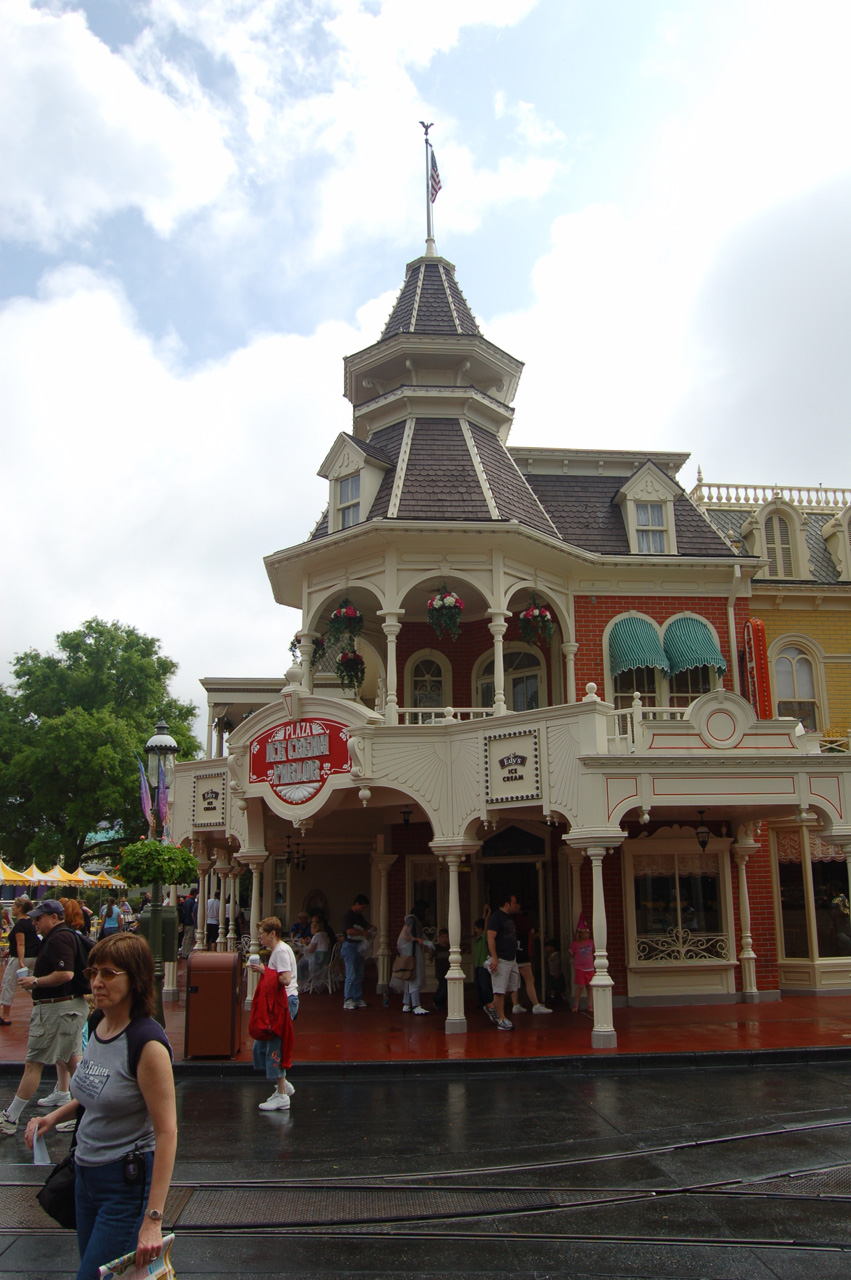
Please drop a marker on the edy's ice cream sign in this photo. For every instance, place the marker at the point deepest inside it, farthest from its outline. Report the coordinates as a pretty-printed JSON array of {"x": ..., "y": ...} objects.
[{"x": 298, "y": 757}]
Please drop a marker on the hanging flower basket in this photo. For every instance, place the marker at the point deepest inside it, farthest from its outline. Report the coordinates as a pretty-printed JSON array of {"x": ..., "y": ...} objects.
[
  {"x": 444, "y": 612},
  {"x": 318, "y": 650},
  {"x": 536, "y": 622},
  {"x": 345, "y": 621},
  {"x": 350, "y": 669}
]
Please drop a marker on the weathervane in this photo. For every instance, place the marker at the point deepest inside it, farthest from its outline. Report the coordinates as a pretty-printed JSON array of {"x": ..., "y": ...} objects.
[{"x": 433, "y": 185}]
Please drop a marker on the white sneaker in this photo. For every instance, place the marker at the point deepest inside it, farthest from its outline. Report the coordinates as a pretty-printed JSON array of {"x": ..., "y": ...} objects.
[
  {"x": 419, "y": 1009},
  {"x": 66, "y": 1126},
  {"x": 277, "y": 1102},
  {"x": 7, "y": 1125},
  {"x": 540, "y": 1008},
  {"x": 54, "y": 1099},
  {"x": 361, "y": 1004},
  {"x": 406, "y": 1008},
  {"x": 518, "y": 1008},
  {"x": 349, "y": 1004},
  {"x": 289, "y": 1089}
]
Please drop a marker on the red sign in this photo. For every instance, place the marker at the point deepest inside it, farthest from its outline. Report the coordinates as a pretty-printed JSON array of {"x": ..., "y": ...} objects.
[{"x": 298, "y": 757}]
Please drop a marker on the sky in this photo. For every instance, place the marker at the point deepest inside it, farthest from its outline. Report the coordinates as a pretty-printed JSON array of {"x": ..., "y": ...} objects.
[{"x": 206, "y": 204}]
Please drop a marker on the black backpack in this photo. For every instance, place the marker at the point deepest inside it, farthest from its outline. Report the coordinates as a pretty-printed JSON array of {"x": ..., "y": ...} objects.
[{"x": 80, "y": 986}]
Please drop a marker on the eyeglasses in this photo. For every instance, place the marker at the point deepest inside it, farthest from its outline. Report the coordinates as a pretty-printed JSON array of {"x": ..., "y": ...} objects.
[{"x": 107, "y": 975}]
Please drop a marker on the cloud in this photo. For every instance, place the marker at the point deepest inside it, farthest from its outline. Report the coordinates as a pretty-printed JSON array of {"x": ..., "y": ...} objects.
[
  {"x": 157, "y": 492},
  {"x": 529, "y": 127},
  {"x": 81, "y": 136}
]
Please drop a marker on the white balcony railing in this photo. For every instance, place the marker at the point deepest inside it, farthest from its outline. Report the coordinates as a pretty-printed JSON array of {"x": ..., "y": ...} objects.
[
  {"x": 706, "y": 493},
  {"x": 440, "y": 715},
  {"x": 622, "y": 734}
]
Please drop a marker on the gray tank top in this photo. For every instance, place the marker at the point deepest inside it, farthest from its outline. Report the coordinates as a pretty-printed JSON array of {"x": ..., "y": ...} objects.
[{"x": 116, "y": 1119}]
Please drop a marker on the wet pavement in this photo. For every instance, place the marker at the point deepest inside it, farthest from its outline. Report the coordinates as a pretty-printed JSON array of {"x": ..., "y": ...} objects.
[{"x": 713, "y": 1173}]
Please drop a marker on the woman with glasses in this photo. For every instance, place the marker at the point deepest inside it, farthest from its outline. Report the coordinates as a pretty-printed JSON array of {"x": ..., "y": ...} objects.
[{"x": 127, "y": 1137}]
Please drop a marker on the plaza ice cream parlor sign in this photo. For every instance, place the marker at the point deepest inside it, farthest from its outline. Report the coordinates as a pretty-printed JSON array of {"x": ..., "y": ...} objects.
[{"x": 298, "y": 757}]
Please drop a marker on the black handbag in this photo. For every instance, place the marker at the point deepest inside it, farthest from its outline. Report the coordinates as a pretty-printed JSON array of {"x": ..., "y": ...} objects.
[{"x": 56, "y": 1197}]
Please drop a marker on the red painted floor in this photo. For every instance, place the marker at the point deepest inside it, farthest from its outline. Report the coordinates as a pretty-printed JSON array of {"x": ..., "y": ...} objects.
[{"x": 325, "y": 1032}]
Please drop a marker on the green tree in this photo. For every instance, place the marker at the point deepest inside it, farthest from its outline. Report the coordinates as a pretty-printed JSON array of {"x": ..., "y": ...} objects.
[{"x": 70, "y": 727}]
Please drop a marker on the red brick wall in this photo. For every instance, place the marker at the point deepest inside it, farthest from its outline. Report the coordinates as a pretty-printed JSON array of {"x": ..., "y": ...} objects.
[
  {"x": 462, "y": 655},
  {"x": 593, "y": 614}
]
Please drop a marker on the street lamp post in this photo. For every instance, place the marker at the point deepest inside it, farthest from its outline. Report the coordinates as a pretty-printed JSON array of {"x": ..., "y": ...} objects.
[{"x": 161, "y": 750}]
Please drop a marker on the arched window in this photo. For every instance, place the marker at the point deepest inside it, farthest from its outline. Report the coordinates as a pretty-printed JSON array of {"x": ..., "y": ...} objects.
[
  {"x": 428, "y": 686},
  {"x": 427, "y": 683},
  {"x": 795, "y": 686},
  {"x": 778, "y": 547},
  {"x": 525, "y": 685}
]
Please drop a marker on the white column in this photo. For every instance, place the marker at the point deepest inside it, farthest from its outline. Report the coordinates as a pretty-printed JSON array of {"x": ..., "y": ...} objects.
[
  {"x": 233, "y": 941},
  {"x": 255, "y": 860},
  {"x": 170, "y": 968},
  {"x": 203, "y": 881},
  {"x": 305, "y": 647},
  {"x": 383, "y": 861},
  {"x": 497, "y": 629},
  {"x": 603, "y": 1036},
  {"x": 209, "y": 745},
  {"x": 391, "y": 628},
  {"x": 453, "y": 854},
  {"x": 222, "y": 864},
  {"x": 744, "y": 846},
  {"x": 569, "y": 652}
]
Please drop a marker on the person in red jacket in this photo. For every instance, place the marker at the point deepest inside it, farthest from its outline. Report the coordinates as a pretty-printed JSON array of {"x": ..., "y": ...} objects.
[{"x": 270, "y": 1023}]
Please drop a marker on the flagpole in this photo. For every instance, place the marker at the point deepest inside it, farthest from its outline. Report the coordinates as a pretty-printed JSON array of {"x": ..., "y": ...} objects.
[{"x": 430, "y": 251}]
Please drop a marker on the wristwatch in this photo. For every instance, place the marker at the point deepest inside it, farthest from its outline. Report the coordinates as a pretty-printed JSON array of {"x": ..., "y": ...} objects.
[{"x": 154, "y": 1215}]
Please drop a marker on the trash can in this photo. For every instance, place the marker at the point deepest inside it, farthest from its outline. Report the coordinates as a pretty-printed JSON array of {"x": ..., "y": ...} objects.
[
  {"x": 213, "y": 1004},
  {"x": 169, "y": 922}
]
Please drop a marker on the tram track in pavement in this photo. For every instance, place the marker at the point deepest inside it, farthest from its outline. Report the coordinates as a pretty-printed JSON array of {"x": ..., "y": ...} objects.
[{"x": 458, "y": 1205}]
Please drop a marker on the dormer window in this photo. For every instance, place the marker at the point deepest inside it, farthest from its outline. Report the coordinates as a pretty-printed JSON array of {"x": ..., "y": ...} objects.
[
  {"x": 348, "y": 501},
  {"x": 778, "y": 547},
  {"x": 647, "y": 500},
  {"x": 650, "y": 528}
]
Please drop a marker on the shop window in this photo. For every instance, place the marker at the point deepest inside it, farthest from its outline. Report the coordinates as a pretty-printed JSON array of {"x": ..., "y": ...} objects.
[
  {"x": 793, "y": 911},
  {"x": 795, "y": 686},
  {"x": 524, "y": 680},
  {"x": 830, "y": 895},
  {"x": 678, "y": 908}
]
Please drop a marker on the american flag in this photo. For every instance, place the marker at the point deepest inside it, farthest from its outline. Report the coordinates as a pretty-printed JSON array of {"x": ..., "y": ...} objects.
[{"x": 435, "y": 178}]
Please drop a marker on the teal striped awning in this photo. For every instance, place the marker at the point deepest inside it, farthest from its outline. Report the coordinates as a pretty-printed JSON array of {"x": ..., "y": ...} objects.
[
  {"x": 634, "y": 642},
  {"x": 689, "y": 643}
]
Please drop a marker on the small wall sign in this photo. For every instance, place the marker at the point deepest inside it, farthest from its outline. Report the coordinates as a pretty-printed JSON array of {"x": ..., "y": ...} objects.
[
  {"x": 209, "y": 799},
  {"x": 512, "y": 768}
]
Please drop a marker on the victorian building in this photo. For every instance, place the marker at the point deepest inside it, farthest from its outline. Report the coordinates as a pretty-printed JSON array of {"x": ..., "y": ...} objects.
[{"x": 524, "y": 670}]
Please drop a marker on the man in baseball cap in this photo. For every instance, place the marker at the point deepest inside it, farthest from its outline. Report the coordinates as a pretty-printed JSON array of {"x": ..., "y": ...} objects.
[{"x": 57, "y": 987}]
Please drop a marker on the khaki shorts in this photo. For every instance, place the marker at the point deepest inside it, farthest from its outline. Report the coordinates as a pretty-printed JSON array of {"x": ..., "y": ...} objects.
[
  {"x": 56, "y": 1031},
  {"x": 506, "y": 978}
]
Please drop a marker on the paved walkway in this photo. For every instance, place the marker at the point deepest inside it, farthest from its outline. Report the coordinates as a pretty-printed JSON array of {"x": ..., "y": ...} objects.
[{"x": 801, "y": 1026}]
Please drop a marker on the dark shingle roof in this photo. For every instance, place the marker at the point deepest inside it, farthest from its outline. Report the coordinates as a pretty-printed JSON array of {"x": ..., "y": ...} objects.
[
  {"x": 389, "y": 440},
  {"x": 822, "y": 567},
  {"x": 371, "y": 448},
  {"x": 441, "y": 482},
  {"x": 430, "y": 302},
  {"x": 512, "y": 495},
  {"x": 585, "y": 513}
]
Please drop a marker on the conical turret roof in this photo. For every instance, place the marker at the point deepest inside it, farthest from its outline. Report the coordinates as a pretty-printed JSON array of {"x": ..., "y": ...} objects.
[{"x": 430, "y": 302}]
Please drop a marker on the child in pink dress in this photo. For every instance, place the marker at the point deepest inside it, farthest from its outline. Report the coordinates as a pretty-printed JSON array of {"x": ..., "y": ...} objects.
[{"x": 582, "y": 954}]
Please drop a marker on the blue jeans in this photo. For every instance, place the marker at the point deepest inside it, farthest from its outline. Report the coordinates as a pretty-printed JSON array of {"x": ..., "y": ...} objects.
[
  {"x": 109, "y": 1213},
  {"x": 292, "y": 1001},
  {"x": 354, "y": 962}
]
